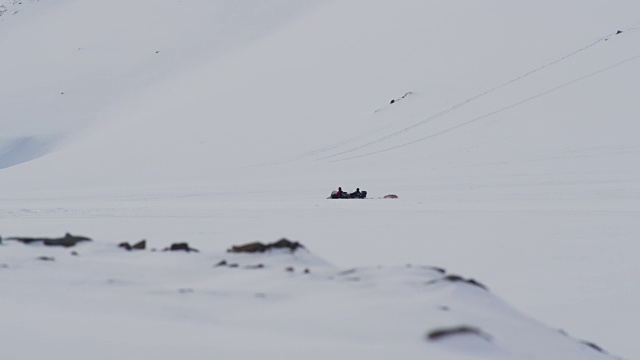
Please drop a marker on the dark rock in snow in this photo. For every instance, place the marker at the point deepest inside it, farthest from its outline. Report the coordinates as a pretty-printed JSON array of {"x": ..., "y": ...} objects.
[
  {"x": 249, "y": 248},
  {"x": 225, "y": 263},
  {"x": 440, "y": 334},
  {"x": 180, "y": 247},
  {"x": 454, "y": 278},
  {"x": 434, "y": 268},
  {"x": 73, "y": 253},
  {"x": 46, "y": 258},
  {"x": 390, "y": 196},
  {"x": 476, "y": 283},
  {"x": 285, "y": 244},
  {"x": 289, "y": 269},
  {"x": 257, "y": 266},
  {"x": 458, "y": 278},
  {"x": 258, "y": 247},
  {"x": 594, "y": 346},
  {"x": 67, "y": 241},
  {"x": 141, "y": 245}
]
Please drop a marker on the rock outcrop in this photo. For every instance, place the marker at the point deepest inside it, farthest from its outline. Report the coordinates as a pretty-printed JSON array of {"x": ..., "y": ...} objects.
[
  {"x": 67, "y": 241},
  {"x": 258, "y": 247}
]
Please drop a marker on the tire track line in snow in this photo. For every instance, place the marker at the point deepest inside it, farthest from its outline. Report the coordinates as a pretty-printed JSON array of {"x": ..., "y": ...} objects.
[
  {"x": 321, "y": 150},
  {"x": 521, "y": 102},
  {"x": 476, "y": 97}
]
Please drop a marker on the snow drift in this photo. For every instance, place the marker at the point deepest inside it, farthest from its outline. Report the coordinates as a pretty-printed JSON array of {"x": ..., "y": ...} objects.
[{"x": 280, "y": 303}]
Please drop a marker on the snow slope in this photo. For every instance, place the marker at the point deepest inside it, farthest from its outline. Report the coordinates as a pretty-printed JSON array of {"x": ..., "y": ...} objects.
[
  {"x": 67, "y": 63},
  {"x": 111, "y": 304},
  {"x": 514, "y": 155}
]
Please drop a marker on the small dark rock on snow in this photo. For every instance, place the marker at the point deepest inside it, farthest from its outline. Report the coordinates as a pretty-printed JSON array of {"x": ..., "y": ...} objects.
[
  {"x": 67, "y": 241},
  {"x": 258, "y": 247},
  {"x": 594, "y": 346},
  {"x": 440, "y": 334},
  {"x": 236, "y": 265},
  {"x": 180, "y": 247},
  {"x": 141, "y": 245},
  {"x": 458, "y": 278},
  {"x": 249, "y": 248}
]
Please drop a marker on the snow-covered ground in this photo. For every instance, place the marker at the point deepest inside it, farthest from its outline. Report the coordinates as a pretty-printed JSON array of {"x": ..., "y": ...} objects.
[
  {"x": 511, "y": 143},
  {"x": 105, "y": 303}
]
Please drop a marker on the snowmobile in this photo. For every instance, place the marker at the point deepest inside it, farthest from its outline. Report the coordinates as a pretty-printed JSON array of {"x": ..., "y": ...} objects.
[{"x": 345, "y": 195}]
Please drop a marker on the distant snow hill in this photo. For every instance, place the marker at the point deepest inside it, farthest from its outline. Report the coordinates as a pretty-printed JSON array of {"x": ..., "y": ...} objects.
[
  {"x": 180, "y": 84},
  {"x": 276, "y": 304}
]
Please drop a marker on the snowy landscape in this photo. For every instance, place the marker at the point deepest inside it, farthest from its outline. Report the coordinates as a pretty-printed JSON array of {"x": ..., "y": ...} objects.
[{"x": 507, "y": 131}]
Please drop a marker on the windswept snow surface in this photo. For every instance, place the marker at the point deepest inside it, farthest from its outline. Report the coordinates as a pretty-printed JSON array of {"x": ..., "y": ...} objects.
[{"x": 514, "y": 155}]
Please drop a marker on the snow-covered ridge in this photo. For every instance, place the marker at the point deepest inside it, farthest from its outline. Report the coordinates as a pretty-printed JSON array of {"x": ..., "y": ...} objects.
[{"x": 280, "y": 302}]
